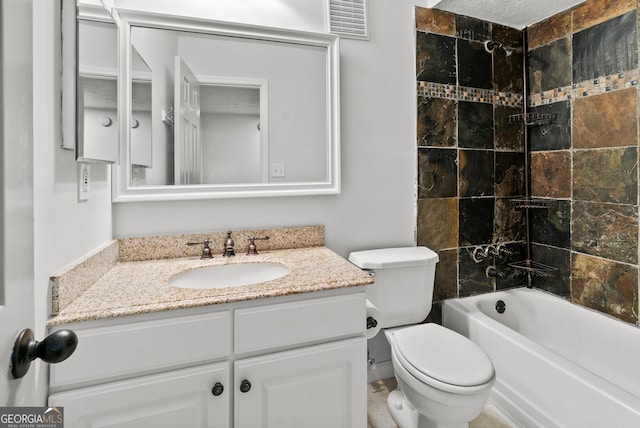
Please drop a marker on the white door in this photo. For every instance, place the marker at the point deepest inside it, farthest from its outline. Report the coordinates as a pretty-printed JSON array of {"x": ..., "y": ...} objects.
[
  {"x": 321, "y": 386},
  {"x": 187, "y": 141},
  {"x": 16, "y": 193}
]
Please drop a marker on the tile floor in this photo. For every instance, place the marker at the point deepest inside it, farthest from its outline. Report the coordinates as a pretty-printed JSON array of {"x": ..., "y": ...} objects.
[{"x": 378, "y": 417}]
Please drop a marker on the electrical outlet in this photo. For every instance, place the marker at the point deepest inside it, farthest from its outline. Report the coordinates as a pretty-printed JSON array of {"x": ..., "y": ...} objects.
[
  {"x": 84, "y": 181},
  {"x": 277, "y": 170}
]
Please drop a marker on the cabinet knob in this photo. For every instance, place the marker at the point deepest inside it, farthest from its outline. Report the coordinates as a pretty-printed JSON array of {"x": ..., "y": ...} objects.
[
  {"x": 245, "y": 386},
  {"x": 218, "y": 389}
]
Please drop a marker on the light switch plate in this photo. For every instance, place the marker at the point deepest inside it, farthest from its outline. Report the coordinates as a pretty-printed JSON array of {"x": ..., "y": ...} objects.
[{"x": 84, "y": 181}]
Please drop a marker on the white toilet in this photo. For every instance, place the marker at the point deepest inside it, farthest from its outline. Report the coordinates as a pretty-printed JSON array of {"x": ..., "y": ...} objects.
[{"x": 443, "y": 378}]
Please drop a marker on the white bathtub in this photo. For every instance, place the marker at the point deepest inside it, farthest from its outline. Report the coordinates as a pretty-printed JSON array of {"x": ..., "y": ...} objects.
[{"x": 557, "y": 364}]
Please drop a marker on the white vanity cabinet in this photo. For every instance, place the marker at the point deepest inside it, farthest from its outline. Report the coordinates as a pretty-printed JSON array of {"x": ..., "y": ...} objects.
[{"x": 296, "y": 361}]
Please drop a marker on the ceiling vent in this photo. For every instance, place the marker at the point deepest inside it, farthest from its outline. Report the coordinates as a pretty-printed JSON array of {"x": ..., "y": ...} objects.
[{"x": 348, "y": 18}]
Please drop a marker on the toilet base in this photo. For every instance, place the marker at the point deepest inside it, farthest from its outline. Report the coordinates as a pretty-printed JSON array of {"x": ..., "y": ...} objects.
[{"x": 406, "y": 416}]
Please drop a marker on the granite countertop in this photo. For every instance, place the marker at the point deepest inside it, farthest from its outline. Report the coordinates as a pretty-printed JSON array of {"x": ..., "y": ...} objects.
[{"x": 137, "y": 287}]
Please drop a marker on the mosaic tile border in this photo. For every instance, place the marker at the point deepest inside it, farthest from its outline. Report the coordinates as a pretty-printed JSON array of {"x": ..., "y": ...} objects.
[
  {"x": 600, "y": 85},
  {"x": 462, "y": 93}
]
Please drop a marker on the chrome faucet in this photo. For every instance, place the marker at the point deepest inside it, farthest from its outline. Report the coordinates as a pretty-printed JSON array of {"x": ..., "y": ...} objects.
[{"x": 228, "y": 246}]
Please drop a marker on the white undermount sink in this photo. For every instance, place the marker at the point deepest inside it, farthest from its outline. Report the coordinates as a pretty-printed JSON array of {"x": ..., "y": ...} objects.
[{"x": 232, "y": 275}]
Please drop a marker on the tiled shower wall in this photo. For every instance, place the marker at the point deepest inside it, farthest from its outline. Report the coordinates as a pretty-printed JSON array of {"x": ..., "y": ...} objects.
[
  {"x": 583, "y": 70},
  {"x": 470, "y": 155},
  {"x": 582, "y": 75}
]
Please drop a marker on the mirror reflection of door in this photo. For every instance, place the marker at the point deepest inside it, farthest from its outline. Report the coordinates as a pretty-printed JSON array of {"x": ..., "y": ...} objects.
[{"x": 187, "y": 134}]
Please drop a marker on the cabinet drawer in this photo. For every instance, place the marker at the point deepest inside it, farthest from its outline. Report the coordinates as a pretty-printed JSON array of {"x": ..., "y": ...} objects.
[
  {"x": 295, "y": 323},
  {"x": 107, "y": 353}
]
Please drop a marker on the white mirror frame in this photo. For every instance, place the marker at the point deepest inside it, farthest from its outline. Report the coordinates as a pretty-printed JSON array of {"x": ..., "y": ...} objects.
[{"x": 123, "y": 191}]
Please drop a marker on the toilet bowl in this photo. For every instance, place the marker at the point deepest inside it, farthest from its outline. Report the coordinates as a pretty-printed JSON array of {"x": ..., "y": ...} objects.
[{"x": 443, "y": 378}]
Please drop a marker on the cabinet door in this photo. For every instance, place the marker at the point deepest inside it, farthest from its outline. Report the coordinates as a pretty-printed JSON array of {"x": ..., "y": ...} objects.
[
  {"x": 181, "y": 398},
  {"x": 321, "y": 386}
]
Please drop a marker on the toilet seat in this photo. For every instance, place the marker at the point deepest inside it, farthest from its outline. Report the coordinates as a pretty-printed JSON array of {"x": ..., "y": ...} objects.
[{"x": 442, "y": 358}]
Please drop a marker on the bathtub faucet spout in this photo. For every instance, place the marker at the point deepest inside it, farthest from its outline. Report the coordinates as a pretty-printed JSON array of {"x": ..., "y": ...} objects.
[{"x": 493, "y": 272}]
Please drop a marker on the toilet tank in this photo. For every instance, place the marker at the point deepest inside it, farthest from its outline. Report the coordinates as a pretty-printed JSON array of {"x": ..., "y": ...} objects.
[{"x": 403, "y": 282}]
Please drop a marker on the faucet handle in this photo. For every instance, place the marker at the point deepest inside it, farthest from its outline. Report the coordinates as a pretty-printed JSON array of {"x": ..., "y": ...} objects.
[
  {"x": 252, "y": 245},
  {"x": 206, "y": 250},
  {"x": 502, "y": 250}
]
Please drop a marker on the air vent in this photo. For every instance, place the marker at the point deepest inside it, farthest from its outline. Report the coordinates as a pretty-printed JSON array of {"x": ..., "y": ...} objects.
[{"x": 348, "y": 18}]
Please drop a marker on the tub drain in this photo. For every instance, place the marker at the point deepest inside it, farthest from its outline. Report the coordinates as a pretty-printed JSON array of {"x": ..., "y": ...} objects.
[{"x": 500, "y": 306}]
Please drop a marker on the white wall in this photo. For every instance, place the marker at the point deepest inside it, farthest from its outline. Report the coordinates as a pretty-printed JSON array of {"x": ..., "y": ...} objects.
[
  {"x": 230, "y": 148},
  {"x": 377, "y": 203},
  {"x": 64, "y": 229}
]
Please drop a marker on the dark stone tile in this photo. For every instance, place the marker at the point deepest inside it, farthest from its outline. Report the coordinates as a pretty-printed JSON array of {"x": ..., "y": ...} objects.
[
  {"x": 556, "y": 134},
  {"x": 506, "y": 35},
  {"x": 474, "y": 65},
  {"x": 437, "y": 120},
  {"x": 472, "y": 276},
  {"x": 556, "y": 27},
  {"x": 552, "y": 226},
  {"x": 476, "y": 172},
  {"x": 616, "y": 110},
  {"x": 556, "y": 280},
  {"x": 509, "y": 172},
  {"x": 509, "y": 222},
  {"x": 475, "y": 125},
  {"x": 437, "y": 173},
  {"x": 446, "y": 281},
  {"x": 607, "y": 48},
  {"x": 472, "y": 29},
  {"x": 606, "y": 286},
  {"x": 606, "y": 175},
  {"x": 606, "y": 230},
  {"x": 550, "y": 66},
  {"x": 508, "y": 134},
  {"x": 435, "y": 58},
  {"x": 507, "y": 71},
  {"x": 476, "y": 221},
  {"x": 437, "y": 225},
  {"x": 507, "y": 68},
  {"x": 435, "y": 21},
  {"x": 551, "y": 174}
]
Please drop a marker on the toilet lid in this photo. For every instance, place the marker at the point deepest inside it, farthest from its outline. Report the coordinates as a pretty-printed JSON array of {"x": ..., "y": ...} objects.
[{"x": 444, "y": 355}]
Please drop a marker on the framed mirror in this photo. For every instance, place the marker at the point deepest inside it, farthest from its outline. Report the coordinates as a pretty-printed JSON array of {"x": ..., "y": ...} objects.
[{"x": 222, "y": 110}]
